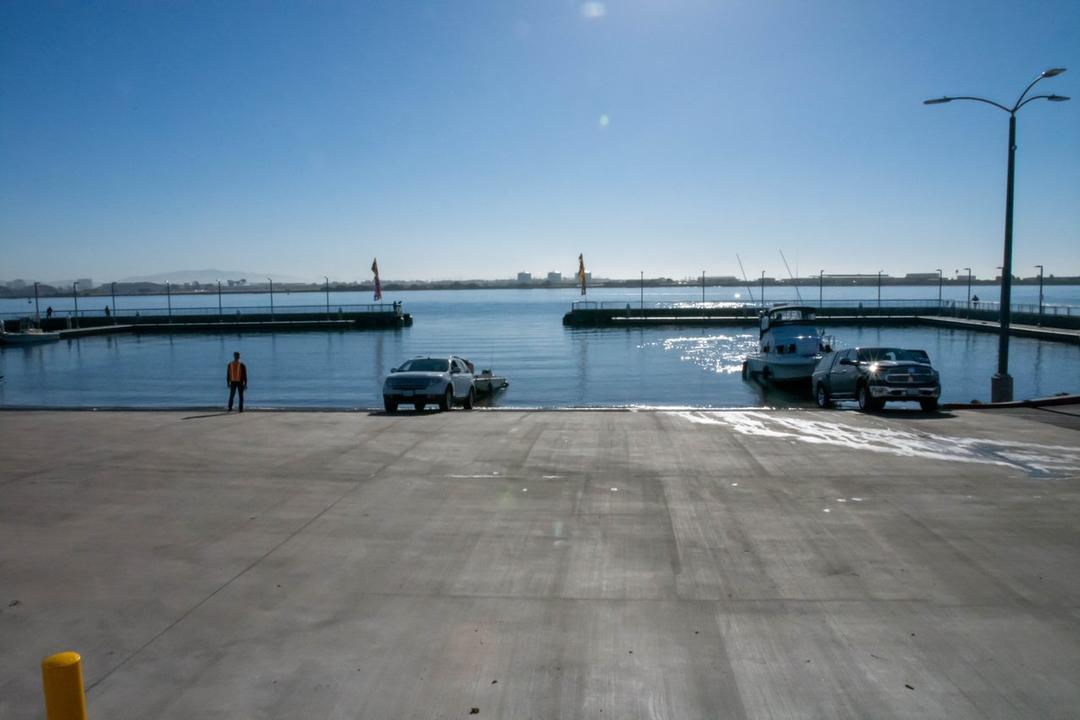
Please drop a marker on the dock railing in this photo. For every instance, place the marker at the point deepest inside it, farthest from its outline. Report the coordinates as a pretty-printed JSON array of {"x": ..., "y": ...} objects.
[
  {"x": 210, "y": 313},
  {"x": 869, "y": 306},
  {"x": 605, "y": 312}
]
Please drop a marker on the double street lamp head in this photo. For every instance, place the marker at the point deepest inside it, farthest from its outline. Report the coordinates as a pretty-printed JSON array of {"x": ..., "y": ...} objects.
[{"x": 1052, "y": 72}]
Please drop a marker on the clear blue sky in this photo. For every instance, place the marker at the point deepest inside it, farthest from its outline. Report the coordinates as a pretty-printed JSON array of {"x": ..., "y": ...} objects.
[{"x": 475, "y": 139}]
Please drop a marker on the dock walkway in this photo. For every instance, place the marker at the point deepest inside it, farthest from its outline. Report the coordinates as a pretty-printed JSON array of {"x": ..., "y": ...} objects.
[
  {"x": 156, "y": 328},
  {"x": 214, "y": 320},
  {"x": 734, "y": 321},
  {"x": 1021, "y": 330},
  {"x": 1054, "y": 334}
]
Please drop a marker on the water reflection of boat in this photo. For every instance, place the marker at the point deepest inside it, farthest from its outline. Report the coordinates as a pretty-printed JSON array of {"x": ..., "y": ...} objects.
[
  {"x": 789, "y": 346},
  {"x": 32, "y": 336}
]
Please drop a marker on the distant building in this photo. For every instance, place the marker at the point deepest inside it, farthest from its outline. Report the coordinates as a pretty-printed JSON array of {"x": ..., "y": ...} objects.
[
  {"x": 524, "y": 277},
  {"x": 554, "y": 277},
  {"x": 921, "y": 276},
  {"x": 85, "y": 283}
]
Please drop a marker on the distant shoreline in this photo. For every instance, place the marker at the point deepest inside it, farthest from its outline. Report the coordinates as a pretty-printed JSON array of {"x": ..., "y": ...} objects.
[{"x": 138, "y": 289}]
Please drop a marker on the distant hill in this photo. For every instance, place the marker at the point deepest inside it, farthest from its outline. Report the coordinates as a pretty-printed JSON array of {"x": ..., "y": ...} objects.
[{"x": 208, "y": 276}]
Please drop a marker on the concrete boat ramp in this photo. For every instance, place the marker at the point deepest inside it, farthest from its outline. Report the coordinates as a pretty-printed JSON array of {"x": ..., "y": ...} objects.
[{"x": 661, "y": 564}]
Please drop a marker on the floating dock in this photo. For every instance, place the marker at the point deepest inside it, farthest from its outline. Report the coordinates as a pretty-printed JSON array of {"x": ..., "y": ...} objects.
[
  {"x": 1039, "y": 332},
  {"x": 234, "y": 320},
  {"x": 1055, "y": 327}
]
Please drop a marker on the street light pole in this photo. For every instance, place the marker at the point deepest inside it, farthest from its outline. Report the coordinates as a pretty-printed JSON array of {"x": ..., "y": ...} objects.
[
  {"x": 327, "y": 295},
  {"x": 113, "y": 286},
  {"x": 879, "y": 290},
  {"x": 1001, "y": 384},
  {"x": 762, "y": 289},
  {"x": 168, "y": 298},
  {"x": 939, "y": 281},
  {"x": 703, "y": 288},
  {"x": 642, "y": 289},
  {"x": 37, "y": 306},
  {"x": 1040, "y": 293},
  {"x": 820, "y": 290},
  {"x": 219, "y": 300},
  {"x": 271, "y": 295},
  {"x": 75, "y": 297},
  {"x": 969, "y": 290}
]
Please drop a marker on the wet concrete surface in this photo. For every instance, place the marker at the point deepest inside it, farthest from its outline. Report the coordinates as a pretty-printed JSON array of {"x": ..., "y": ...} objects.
[{"x": 681, "y": 564}]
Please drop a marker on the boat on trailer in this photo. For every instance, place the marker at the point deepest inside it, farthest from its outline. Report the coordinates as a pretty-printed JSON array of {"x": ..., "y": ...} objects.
[
  {"x": 789, "y": 346},
  {"x": 488, "y": 384}
]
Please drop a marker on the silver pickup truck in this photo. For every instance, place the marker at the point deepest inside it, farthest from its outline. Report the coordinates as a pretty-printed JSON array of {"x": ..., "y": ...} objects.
[{"x": 423, "y": 380}]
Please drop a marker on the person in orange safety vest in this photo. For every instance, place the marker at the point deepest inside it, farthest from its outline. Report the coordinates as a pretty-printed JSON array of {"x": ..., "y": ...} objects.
[{"x": 236, "y": 377}]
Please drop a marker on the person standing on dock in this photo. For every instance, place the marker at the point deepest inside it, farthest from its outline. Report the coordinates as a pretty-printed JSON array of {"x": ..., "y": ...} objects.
[{"x": 236, "y": 376}]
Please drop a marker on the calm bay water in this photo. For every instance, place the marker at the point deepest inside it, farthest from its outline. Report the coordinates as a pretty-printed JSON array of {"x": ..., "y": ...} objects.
[{"x": 517, "y": 333}]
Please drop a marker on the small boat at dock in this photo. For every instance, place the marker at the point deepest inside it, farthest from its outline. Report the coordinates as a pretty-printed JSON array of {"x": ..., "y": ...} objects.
[{"x": 31, "y": 336}]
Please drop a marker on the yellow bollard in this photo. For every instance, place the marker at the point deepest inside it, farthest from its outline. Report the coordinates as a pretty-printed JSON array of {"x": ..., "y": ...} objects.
[{"x": 61, "y": 677}]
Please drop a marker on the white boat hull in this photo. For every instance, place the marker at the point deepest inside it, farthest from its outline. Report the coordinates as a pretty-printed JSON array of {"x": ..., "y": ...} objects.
[
  {"x": 33, "y": 338},
  {"x": 781, "y": 369},
  {"x": 489, "y": 384}
]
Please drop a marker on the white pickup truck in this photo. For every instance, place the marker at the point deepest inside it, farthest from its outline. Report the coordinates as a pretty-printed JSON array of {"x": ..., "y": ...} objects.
[{"x": 423, "y": 380}]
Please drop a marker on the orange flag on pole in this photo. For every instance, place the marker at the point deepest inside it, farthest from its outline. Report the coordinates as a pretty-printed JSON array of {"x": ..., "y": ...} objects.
[
  {"x": 581, "y": 272},
  {"x": 378, "y": 285}
]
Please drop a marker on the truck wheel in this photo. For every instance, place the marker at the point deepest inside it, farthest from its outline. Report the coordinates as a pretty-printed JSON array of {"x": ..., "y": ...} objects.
[
  {"x": 390, "y": 405},
  {"x": 447, "y": 400},
  {"x": 745, "y": 370},
  {"x": 867, "y": 403},
  {"x": 419, "y": 406},
  {"x": 469, "y": 399},
  {"x": 821, "y": 395},
  {"x": 929, "y": 405}
]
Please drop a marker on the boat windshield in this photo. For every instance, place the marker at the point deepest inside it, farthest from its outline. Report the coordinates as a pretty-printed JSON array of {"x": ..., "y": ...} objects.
[
  {"x": 792, "y": 314},
  {"x": 425, "y": 365},
  {"x": 892, "y": 354}
]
